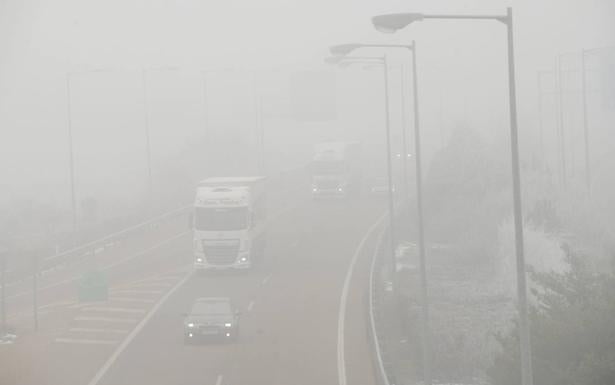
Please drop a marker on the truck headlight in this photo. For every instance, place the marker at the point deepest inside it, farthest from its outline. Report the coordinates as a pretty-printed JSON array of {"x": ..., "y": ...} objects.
[
  {"x": 227, "y": 325},
  {"x": 199, "y": 259},
  {"x": 190, "y": 325},
  {"x": 339, "y": 189}
]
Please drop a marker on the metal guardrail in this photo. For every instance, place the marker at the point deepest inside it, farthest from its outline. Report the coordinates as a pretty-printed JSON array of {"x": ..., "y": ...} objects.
[
  {"x": 94, "y": 247},
  {"x": 379, "y": 351}
]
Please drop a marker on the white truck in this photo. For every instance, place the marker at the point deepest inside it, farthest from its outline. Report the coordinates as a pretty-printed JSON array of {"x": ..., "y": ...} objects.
[
  {"x": 336, "y": 169},
  {"x": 229, "y": 223}
]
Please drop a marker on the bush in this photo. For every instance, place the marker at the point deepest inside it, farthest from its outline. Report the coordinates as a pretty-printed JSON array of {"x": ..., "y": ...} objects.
[{"x": 572, "y": 331}]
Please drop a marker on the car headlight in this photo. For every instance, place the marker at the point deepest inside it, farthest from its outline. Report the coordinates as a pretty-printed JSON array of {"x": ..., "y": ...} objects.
[
  {"x": 228, "y": 325},
  {"x": 190, "y": 325},
  {"x": 199, "y": 259}
]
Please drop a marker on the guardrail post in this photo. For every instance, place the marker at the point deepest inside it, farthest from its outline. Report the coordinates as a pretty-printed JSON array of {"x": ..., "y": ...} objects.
[
  {"x": 34, "y": 257},
  {"x": 3, "y": 295}
]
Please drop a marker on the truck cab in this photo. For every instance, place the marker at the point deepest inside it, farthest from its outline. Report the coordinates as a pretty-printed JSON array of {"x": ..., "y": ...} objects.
[
  {"x": 228, "y": 223},
  {"x": 336, "y": 169}
]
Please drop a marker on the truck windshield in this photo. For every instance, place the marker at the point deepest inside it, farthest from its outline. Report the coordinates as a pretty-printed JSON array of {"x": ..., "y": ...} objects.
[
  {"x": 220, "y": 218},
  {"x": 328, "y": 167}
]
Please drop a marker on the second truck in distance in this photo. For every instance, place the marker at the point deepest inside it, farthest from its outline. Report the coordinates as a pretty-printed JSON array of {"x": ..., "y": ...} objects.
[{"x": 336, "y": 169}]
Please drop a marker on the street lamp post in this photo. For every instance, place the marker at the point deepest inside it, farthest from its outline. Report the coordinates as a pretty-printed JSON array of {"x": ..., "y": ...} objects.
[
  {"x": 585, "y": 120},
  {"x": 560, "y": 121},
  {"x": 71, "y": 159},
  {"x": 425, "y": 330},
  {"x": 148, "y": 153},
  {"x": 393, "y": 22},
  {"x": 342, "y": 59}
]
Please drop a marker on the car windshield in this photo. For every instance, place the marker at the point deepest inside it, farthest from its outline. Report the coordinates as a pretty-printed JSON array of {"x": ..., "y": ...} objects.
[
  {"x": 211, "y": 307},
  {"x": 220, "y": 218}
]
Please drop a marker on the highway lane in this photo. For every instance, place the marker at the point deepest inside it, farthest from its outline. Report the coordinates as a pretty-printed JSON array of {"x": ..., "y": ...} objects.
[
  {"x": 290, "y": 311},
  {"x": 75, "y": 339}
]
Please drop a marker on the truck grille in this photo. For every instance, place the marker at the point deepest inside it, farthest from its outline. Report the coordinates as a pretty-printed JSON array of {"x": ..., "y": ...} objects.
[
  {"x": 221, "y": 253},
  {"x": 327, "y": 184},
  {"x": 209, "y": 329}
]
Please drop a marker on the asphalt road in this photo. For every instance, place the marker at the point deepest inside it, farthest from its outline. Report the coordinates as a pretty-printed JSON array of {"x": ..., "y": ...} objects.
[{"x": 289, "y": 328}]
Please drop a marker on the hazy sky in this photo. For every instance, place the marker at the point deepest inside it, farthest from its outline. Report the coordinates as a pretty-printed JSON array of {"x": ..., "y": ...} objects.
[{"x": 462, "y": 68}]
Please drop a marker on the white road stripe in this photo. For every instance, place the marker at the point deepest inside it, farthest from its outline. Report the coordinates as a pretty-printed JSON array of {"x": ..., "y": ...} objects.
[
  {"x": 251, "y": 305},
  {"x": 115, "y": 310},
  {"x": 341, "y": 359},
  {"x": 136, "y": 291},
  {"x": 131, "y": 299},
  {"x": 154, "y": 285},
  {"x": 266, "y": 279},
  {"x": 84, "y": 341},
  {"x": 103, "y": 369},
  {"x": 107, "y": 319},
  {"x": 95, "y": 330},
  {"x": 219, "y": 380}
]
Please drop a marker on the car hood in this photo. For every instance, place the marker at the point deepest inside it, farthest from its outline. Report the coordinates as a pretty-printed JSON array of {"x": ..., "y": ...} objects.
[{"x": 209, "y": 319}]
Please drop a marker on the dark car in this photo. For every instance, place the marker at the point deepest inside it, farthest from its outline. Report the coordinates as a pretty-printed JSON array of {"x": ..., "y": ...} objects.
[{"x": 210, "y": 319}]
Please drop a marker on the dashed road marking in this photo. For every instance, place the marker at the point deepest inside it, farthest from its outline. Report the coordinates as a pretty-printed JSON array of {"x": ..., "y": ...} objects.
[
  {"x": 108, "y": 319},
  {"x": 98, "y": 330},
  {"x": 137, "y": 291},
  {"x": 251, "y": 305},
  {"x": 131, "y": 299},
  {"x": 219, "y": 380},
  {"x": 266, "y": 279},
  {"x": 157, "y": 283},
  {"x": 115, "y": 310},
  {"x": 84, "y": 341}
]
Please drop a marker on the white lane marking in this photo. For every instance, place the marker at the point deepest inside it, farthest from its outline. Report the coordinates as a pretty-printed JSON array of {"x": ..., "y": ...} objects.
[
  {"x": 266, "y": 279},
  {"x": 98, "y": 330},
  {"x": 84, "y": 341},
  {"x": 109, "y": 267},
  {"x": 251, "y": 305},
  {"x": 341, "y": 359},
  {"x": 107, "y": 319},
  {"x": 219, "y": 379},
  {"x": 131, "y": 299},
  {"x": 114, "y": 310},
  {"x": 136, "y": 291},
  {"x": 154, "y": 285},
  {"x": 57, "y": 304},
  {"x": 103, "y": 369}
]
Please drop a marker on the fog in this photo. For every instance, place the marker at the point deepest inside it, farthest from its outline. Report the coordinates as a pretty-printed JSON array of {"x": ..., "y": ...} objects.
[{"x": 114, "y": 114}]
